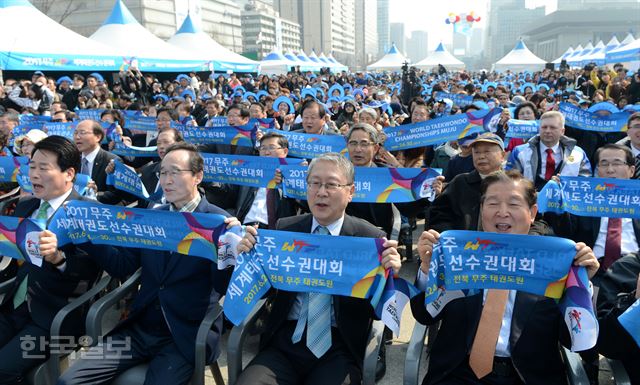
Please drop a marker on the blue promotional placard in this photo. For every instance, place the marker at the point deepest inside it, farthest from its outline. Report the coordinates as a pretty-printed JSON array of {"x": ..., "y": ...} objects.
[
  {"x": 630, "y": 321},
  {"x": 308, "y": 146},
  {"x": 237, "y": 136},
  {"x": 61, "y": 129},
  {"x": 523, "y": 129},
  {"x": 372, "y": 184},
  {"x": 134, "y": 120},
  {"x": 93, "y": 114},
  {"x": 33, "y": 119},
  {"x": 254, "y": 171},
  {"x": 138, "y": 152},
  {"x": 590, "y": 121},
  {"x": 467, "y": 261},
  {"x": 591, "y": 197},
  {"x": 125, "y": 179},
  {"x": 195, "y": 234},
  {"x": 440, "y": 130},
  {"x": 461, "y": 100}
]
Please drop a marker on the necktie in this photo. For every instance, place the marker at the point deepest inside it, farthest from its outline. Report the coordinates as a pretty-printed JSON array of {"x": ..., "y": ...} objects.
[
  {"x": 316, "y": 313},
  {"x": 85, "y": 167},
  {"x": 612, "y": 245},
  {"x": 21, "y": 293},
  {"x": 272, "y": 215},
  {"x": 484, "y": 343},
  {"x": 551, "y": 165},
  {"x": 636, "y": 174}
]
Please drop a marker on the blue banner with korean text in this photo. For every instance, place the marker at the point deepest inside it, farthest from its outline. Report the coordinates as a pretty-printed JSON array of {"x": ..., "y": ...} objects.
[
  {"x": 523, "y": 129},
  {"x": 122, "y": 149},
  {"x": 468, "y": 261},
  {"x": 592, "y": 197},
  {"x": 196, "y": 234},
  {"x": 460, "y": 100},
  {"x": 245, "y": 170},
  {"x": 372, "y": 184},
  {"x": 308, "y": 146},
  {"x": 125, "y": 179},
  {"x": 440, "y": 130},
  {"x": 92, "y": 114},
  {"x": 630, "y": 321},
  {"x": 238, "y": 136},
  {"x": 300, "y": 262},
  {"x": 590, "y": 121}
]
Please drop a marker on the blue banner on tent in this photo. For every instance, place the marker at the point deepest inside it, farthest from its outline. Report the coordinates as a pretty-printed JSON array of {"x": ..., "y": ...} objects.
[
  {"x": 372, "y": 184},
  {"x": 589, "y": 121},
  {"x": 592, "y": 197}
]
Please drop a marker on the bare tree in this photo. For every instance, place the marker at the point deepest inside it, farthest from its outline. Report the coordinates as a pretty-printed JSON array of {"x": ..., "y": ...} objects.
[{"x": 66, "y": 8}]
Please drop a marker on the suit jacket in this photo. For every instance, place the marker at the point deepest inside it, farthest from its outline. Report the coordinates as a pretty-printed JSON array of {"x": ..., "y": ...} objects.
[
  {"x": 149, "y": 180},
  {"x": 353, "y": 315},
  {"x": 107, "y": 194},
  {"x": 536, "y": 328},
  {"x": 185, "y": 287},
  {"x": 581, "y": 229},
  {"x": 285, "y": 207},
  {"x": 48, "y": 288}
]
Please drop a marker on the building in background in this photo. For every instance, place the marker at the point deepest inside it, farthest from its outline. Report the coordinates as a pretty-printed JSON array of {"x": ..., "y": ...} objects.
[
  {"x": 366, "y": 12},
  {"x": 263, "y": 30},
  {"x": 506, "y": 23},
  {"x": 418, "y": 46},
  {"x": 398, "y": 37},
  {"x": 326, "y": 26},
  {"x": 550, "y": 36},
  {"x": 218, "y": 18},
  {"x": 384, "y": 38}
]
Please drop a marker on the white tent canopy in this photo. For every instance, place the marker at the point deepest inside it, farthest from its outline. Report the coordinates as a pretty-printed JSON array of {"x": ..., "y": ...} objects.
[
  {"x": 191, "y": 38},
  {"x": 337, "y": 65},
  {"x": 32, "y": 41},
  {"x": 440, "y": 56},
  {"x": 628, "y": 53},
  {"x": 392, "y": 61},
  {"x": 576, "y": 60},
  {"x": 520, "y": 59},
  {"x": 276, "y": 63},
  {"x": 567, "y": 53},
  {"x": 596, "y": 54},
  {"x": 123, "y": 32}
]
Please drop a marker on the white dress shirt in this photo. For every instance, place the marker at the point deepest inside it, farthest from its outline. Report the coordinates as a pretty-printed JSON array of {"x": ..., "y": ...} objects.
[
  {"x": 557, "y": 156},
  {"x": 91, "y": 158},
  {"x": 258, "y": 211},
  {"x": 629, "y": 242}
]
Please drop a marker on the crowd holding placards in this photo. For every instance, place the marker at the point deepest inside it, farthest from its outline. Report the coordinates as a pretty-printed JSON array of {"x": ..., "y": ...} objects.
[{"x": 203, "y": 184}]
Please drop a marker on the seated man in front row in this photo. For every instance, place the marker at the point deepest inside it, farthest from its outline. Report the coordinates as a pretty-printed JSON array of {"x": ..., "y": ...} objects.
[
  {"x": 525, "y": 351},
  {"x": 175, "y": 292},
  {"x": 286, "y": 355}
]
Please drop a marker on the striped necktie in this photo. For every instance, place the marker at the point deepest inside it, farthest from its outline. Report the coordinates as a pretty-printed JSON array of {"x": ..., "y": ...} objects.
[{"x": 316, "y": 314}]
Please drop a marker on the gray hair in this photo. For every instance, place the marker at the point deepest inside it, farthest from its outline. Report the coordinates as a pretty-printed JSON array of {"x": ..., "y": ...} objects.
[
  {"x": 554, "y": 114},
  {"x": 344, "y": 165},
  {"x": 367, "y": 128},
  {"x": 368, "y": 111}
]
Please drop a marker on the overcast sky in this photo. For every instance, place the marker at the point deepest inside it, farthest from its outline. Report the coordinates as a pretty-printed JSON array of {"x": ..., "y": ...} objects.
[{"x": 431, "y": 15}]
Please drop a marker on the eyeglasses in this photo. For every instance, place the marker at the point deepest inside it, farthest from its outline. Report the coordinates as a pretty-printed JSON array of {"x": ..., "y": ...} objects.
[
  {"x": 57, "y": 120},
  {"x": 363, "y": 144},
  {"x": 171, "y": 173},
  {"x": 330, "y": 186},
  {"x": 615, "y": 164},
  {"x": 635, "y": 127},
  {"x": 269, "y": 148},
  {"x": 82, "y": 133}
]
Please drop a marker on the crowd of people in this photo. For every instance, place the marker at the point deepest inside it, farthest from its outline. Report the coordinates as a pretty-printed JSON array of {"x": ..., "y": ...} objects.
[{"x": 489, "y": 183}]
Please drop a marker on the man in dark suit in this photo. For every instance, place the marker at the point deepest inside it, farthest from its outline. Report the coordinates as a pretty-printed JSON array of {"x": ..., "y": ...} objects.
[
  {"x": 609, "y": 237},
  {"x": 262, "y": 206},
  {"x": 87, "y": 137},
  {"x": 633, "y": 140},
  {"x": 175, "y": 293},
  {"x": 45, "y": 283},
  {"x": 149, "y": 173},
  {"x": 524, "y": 345},
  {"x": 313, "y": 115},
  {"x": 286, "y": 356}
]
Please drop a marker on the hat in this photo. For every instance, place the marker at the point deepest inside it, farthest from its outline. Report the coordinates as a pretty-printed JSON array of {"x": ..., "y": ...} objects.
[
  {"x": 164, "y": 97},
  {"x": 188, "y": 92},
  {"x": 64, "y": 79},
  {"x": 39, "y": 73},
  {"x": 182, "y": 76},
  {"x": 34, "y": 136},
  {"x": 518, "y": 100},
  {"x": 98, "y": 77},
  {"x": 488, "y": 137}
]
